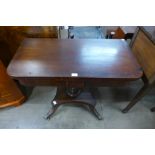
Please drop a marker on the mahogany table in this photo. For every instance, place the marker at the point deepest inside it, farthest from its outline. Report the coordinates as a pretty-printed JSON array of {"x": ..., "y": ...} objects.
[{"x": 74, "y": 66}]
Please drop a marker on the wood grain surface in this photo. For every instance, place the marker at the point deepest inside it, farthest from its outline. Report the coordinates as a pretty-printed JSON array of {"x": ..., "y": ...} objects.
[
  {"x": 144, "y": 50},
  {"x": 91, "y": 59}
]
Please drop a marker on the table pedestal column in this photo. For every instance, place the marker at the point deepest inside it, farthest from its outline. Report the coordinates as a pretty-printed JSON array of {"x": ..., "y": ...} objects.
[{"x": 75, "y": 96}]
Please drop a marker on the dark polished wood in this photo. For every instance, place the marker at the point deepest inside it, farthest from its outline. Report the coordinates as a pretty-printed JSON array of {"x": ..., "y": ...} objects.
[
  {"x": 92, "y": 59},
  {"x": 143, "y": 47},
  {"x": 74, "y": 64}
]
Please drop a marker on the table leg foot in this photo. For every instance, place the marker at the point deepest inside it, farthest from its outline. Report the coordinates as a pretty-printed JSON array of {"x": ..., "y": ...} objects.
[
  {"x": 52, "y": 110},
  {"x": 153, "y": 109},
  {"x": 138, "y": 96},
  {"x": 125, "y": 111},
  {"x": 95, "y": 112}
]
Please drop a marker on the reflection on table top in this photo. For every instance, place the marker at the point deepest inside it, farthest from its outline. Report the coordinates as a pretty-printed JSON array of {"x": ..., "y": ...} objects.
[{"x": 89, "y": 58}]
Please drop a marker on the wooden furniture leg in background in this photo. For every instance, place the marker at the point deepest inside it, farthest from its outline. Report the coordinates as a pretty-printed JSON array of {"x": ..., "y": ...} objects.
[
  {"x": 143, "y": 47},
  {"x": 138, "y": 96},
  {"x": 10, "y": 94}
]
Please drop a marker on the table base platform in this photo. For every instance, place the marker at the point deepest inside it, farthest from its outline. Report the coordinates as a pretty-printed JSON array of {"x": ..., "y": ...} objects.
[{"x": 76, "y": 96}]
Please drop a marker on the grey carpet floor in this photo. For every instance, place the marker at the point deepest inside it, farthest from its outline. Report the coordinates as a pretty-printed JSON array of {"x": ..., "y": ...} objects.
[
  {"x": 112, "y": 100},
  {"x": 87, "y": 32}
]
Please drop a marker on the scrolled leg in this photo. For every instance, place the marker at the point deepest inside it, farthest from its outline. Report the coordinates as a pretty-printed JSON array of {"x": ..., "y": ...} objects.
[
  {"x": 54, "y": 107},
  {"x": 95, "y": 112},
  {"x": 75, "y": 96}
]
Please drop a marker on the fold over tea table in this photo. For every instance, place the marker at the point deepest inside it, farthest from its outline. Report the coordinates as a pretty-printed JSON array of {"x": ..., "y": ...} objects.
[{"x": 75, "y": 66}]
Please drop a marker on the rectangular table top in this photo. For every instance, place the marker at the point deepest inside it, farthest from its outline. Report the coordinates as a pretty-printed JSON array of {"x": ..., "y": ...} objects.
[{"x": 85, "y": 58}]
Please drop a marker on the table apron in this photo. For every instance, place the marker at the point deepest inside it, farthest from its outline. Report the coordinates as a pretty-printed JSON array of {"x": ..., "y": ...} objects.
[{"x": 75, "y": 82}]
